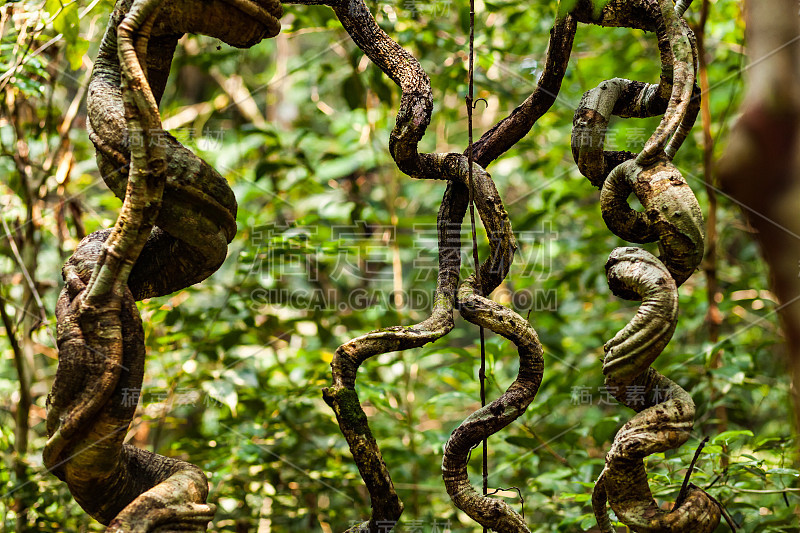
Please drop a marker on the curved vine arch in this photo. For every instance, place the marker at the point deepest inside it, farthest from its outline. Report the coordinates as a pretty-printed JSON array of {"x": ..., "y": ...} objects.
[{"x": 178, "y": 216}]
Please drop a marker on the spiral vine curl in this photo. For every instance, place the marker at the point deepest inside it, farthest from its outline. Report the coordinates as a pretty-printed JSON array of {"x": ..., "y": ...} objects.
[
  {"x": 179, "y": 215},
  {"x": 672, "y": 217},
  {"x": 177, "y": 218}
]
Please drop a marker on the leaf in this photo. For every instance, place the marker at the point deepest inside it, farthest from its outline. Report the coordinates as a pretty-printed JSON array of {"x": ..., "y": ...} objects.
[
  {"x": 66, "y": 21},
  {"x": 784, "y": 472},
  {"x": 75, "y": 53},
  {"x": 224, "y": 392},
  {"x": 605, "y": 429},
  {"x": 452, "y": 397},
  {"x": 242, "y": 376},
  {"x": 727, "y": 436},
  {"x": 354, "y": 91},
  {"x": 713, "y": 448},
  {"x": 523, "y": 442},
  {"x": 377, "y": 84},
  {"x": 578, "y": 497},
  {"x": 565, "y": 6}
]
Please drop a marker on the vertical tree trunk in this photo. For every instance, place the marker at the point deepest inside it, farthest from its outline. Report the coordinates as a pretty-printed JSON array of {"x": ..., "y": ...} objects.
[{"x": 760, "y": 167}]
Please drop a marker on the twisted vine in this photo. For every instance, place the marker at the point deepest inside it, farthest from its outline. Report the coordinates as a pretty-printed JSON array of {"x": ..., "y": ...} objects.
[
  {"x": 671, "y": 214},
  {"x": 179, "y": 215},
  {"x": 412, "y": 119},
  {"x": 672, "y": 217},
  {"x": 665, "y": 412}
]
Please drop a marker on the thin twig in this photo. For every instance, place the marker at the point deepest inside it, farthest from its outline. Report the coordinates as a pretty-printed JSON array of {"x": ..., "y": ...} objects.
[
  {"x": 470, "y": 107},
  {"x": 685, "y": 487}
]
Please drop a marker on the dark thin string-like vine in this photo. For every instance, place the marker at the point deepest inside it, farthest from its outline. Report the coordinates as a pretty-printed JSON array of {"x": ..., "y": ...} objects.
[{"x": 470, "y": 108}]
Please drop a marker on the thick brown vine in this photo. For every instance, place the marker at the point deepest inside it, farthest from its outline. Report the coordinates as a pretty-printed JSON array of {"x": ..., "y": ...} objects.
[
  {"x": 177, "y": 217},
  {"x": 671, "y": 216}
]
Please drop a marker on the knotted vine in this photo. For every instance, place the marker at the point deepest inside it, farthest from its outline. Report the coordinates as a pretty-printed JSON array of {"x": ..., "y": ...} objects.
[
  {"x": 179, "y": 215},
  {"x": 177, "y": 218},
  {"x": 672, "y": 217}
]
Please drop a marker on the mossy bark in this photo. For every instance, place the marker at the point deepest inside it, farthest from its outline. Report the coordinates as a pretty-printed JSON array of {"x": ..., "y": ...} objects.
[{"x": 177, "y": 217}]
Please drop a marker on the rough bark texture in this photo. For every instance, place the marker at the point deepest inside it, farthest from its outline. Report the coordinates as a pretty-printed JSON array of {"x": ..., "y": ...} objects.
[
  {"x": 671, "y": 213},
  {"x": 665, "y": 412},
  {"x": 412, "y": 120},
  {"x": 490, "y": 512},
  {"x": 671, "y": 216},
  {"x": 100, "y": 336}
]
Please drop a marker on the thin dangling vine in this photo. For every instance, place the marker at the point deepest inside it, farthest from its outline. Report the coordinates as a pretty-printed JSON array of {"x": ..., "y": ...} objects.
[{"x": 470, "y": 101}]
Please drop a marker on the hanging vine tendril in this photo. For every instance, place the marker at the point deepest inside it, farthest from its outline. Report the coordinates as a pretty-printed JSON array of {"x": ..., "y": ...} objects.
[
  {"x": 665, "y": 412},
  {"x": 178, "y": 216},
  {"x": 672, "y": 217}
]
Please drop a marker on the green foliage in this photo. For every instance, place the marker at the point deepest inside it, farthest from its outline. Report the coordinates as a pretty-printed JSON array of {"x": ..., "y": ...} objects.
[{"x": 236, "y": 364}]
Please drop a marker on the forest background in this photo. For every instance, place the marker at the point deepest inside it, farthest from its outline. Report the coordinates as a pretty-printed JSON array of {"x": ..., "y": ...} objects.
[{"x": 334, "y": 241}]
